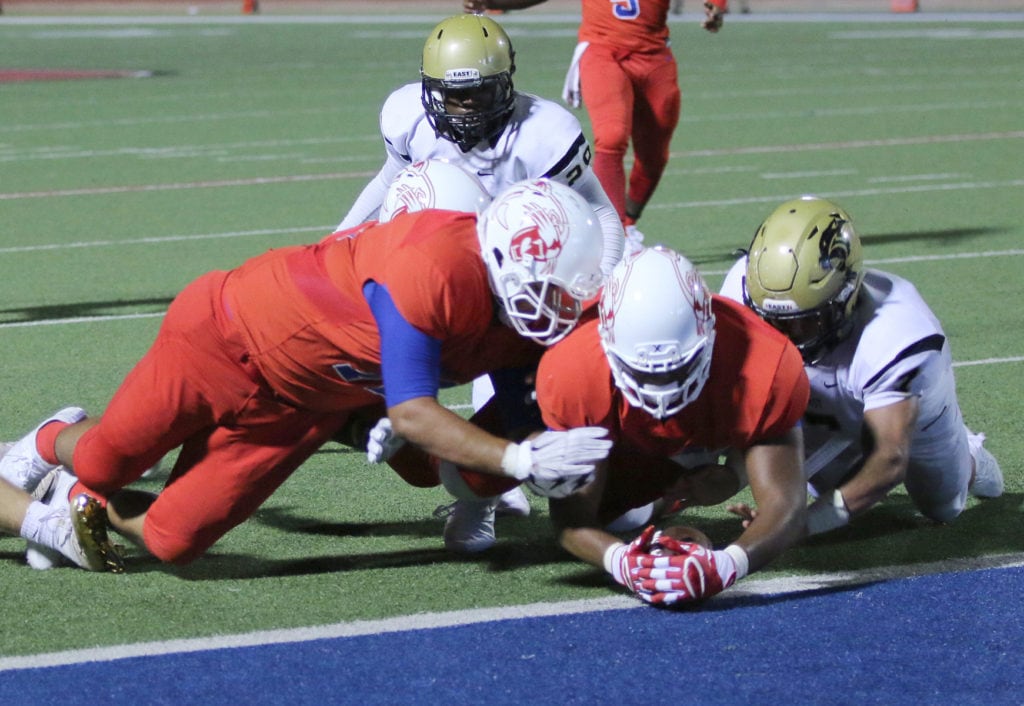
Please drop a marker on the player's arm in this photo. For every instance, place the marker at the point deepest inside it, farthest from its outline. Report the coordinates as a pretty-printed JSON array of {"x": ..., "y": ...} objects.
[
  {"x": 577, "y": 526},
  {"x": 410, "y": 369},
  {"x": 367, "y": 204},
  {"x": 775, "y": 473},
  {"x": 394, "y": 127},
  {"x": 482, "y": 5},
  {"x": 588, "y": 186},
  {"x": 890, "y": 432},
  {"x": 576, "y": 521}
]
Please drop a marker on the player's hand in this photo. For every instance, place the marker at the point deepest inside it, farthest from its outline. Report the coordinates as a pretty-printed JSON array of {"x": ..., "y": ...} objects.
[
  {"x": 623, "y": 559},
  {"x": 383, "y": 442},
  {"x": 676, "y": 572},
  {"x": 714, "y": 16},
  {"x": 745, "y": 512},
  {"x": 554, "y": 457}
]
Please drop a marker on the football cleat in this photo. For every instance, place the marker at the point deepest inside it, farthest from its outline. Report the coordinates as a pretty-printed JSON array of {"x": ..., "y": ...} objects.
[
  {"x": 22, "y": 466},
  {"x": 988, "y": 476},
  {"x": 469, "y": 528},
  {"x": 89, "y": 519},
  {"x": 76, "y": 528}
]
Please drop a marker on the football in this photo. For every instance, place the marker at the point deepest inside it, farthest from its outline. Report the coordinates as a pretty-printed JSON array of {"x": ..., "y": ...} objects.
[{"x": 681, "y": 533}]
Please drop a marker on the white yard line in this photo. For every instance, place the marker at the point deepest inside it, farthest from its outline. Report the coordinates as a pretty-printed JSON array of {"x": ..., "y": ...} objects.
[
  {"x": 787, "y": 585},
  {"x": 324, "y": 229}
]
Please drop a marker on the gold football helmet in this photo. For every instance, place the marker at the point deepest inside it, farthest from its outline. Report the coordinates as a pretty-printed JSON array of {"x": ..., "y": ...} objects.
[
  {"x": 467, "y": 70},
  {"x": 804, "y": 272}
]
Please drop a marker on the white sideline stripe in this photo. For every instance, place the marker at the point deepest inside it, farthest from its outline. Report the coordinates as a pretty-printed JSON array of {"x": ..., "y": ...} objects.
[
  {"x": 82, "y": 320},
  {"x": 988, "y": 361},
  {"x": 122, "y": 317},
  {"x": 155, "y": 240},
  {"x": 788, "y": 585},
  {"x": 843, "y": 193},
  {"x": 916, "y": 258},
  {"x": 759, "y": 149},
  {"x": 178, "y": 186}
]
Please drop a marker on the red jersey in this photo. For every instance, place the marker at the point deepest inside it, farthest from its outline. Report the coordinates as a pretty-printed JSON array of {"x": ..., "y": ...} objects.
[
  {"x": 631, "y": 25},
  {"x": 311, "y": 334},
  {"x": 757, "y": 389}
]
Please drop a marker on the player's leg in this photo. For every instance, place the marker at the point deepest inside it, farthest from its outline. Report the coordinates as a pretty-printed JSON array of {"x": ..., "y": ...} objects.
[
  {"x": 608, "y": 97},
  {"x": 189, "y": 380},
  {"x": 223, "y": 481},
  {"x": 655, "y": 116},
  {"x": 940, "y": 469}
]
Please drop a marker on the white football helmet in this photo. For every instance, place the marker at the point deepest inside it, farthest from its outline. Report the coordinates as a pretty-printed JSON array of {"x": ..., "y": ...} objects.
[
  {"x": 433, "y": 183},
  {"x": 542, "y": 245},
  {"x": 657, "y": 330}
]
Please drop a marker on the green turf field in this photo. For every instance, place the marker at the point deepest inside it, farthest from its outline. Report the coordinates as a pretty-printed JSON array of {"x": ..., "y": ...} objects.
[{"x": 115, "y": 193}]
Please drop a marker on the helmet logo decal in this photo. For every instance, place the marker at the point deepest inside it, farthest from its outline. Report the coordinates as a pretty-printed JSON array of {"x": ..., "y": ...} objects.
[
  {"x": 541, "y": 241},
  {"x": 413, "y": 197},
  {"x": 834, "y": 245},
  {"x": 471, "y": 76},
  {"x": 528, "y": 245}
]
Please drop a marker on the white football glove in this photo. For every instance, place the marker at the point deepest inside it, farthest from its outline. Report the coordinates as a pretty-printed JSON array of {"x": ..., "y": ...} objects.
[
  {"x": 555, "y": 463},
  {"x": 383, "y": 442}
]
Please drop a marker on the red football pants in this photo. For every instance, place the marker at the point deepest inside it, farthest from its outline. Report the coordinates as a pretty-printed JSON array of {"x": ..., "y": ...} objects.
[
  {"x": 196, "y": 388},
  {"x": 630, "y": 96}
]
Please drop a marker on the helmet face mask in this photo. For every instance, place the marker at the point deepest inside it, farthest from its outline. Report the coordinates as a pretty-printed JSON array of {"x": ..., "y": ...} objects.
[
  {"x": 657, "y": 330},
  {"x": 466, "y": 73},
  {"x": 545, "y": 311},
  {"x": 542, "y": 246},
  {"x": 804, "y": 272}
]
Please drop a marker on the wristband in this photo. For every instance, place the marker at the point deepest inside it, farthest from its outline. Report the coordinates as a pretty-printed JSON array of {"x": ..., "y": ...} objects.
[
  {"x": 826, "y": 513},
  {"x": 742, "y": 561},
  {"x": 517, "y": 461},
  {"x": 612, "y": 561}
]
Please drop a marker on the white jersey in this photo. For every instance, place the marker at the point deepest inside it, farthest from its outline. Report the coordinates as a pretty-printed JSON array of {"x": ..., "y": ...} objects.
[
  {"x": 541, "y": 139},
  {"x": 896, "y": 350}
]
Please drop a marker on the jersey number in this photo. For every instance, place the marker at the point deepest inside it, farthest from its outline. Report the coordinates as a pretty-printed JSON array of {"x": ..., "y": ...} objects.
[
  {"x": 357, "y": 377},
  {"x": 577, "y": 169},
  {"x": 626, "y": 9}
]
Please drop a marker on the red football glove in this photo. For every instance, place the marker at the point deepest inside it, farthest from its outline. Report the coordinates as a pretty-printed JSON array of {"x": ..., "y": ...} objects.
[
  {"x": 621, "y": 560},
  {"x": 713, "y": 11},
  {"x": 685, "y": 572}
]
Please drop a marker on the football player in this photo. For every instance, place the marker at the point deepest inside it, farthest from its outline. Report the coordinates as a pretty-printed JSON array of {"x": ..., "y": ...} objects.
[
  {"x": 698, "y": 395},
  {"x": 625, "y": 73},
  {"x": 681, "y": 379},
  {"x": 883, "y": 408},
  {"x": 255, "y": 368},
  {"x": 465, "y": 110}
]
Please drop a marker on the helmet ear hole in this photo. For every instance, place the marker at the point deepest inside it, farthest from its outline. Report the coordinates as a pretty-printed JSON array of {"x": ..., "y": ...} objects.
[{"x": 499, "y": 257}]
